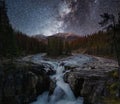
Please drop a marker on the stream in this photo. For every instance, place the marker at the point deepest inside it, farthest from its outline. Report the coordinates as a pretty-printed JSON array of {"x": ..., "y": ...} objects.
[{"x": 62, "y": 93}]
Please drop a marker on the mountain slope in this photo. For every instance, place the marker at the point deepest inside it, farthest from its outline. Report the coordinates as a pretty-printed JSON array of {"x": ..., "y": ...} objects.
[{"x": 66, "y": 36}]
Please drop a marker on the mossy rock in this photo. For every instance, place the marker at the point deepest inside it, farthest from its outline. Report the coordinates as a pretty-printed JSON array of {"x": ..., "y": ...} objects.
[
  {"x": 111, "y": 101},
  {"x": 70, "y": 67},
  {"x": 113, "y": 88},
  {"x": 114, "y": 74}
]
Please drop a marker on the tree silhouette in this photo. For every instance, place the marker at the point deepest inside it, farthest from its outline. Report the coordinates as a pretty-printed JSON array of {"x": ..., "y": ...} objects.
[
  {"x": 14, "y": 43},
  {"x": 109, "y": 23},
  {"x": 55, "y": 46},
  {"x": 7, "y": 37}
]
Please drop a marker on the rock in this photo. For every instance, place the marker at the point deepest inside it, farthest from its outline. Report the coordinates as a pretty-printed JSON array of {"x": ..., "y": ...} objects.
[
  {"x": 49, "y": 69},
  {"x": 19, "y": 87},
  {"x": 69, "y": 67},
  {"x": 51, "y": 72},
  {"x": 43, "y": 79},
  {"x": 87, "y": 84},
  {"x": 9, "y": 90},
  {"x": 74, "y": 82},
  {"x": 22, "y": 82},
  {"x": 52, "y": 87},
  {"x": 94, "y": 80},
  {"x": 92, "y": 90},
  {"x": 42, "y": 84},
  {"x": 1, "y": 83},
  {"x": 29, "y": 86}
]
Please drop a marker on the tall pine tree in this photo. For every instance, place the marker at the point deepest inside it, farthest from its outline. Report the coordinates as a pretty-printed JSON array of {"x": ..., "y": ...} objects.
[{"x": 7, "y": 37}]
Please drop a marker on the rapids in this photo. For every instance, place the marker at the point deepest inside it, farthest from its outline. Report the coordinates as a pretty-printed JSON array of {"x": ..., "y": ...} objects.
[{"x": 62, "y": 93}]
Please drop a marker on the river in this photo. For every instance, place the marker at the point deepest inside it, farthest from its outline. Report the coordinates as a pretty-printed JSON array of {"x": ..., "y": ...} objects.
[{"x": 62, "y": 93}]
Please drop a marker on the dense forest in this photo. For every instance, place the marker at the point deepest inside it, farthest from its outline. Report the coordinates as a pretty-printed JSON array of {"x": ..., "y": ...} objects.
[
  {"x": 102, "y": 43},
  {"x": 97, "y": 44},
  {"x": 12, "y": 42}
]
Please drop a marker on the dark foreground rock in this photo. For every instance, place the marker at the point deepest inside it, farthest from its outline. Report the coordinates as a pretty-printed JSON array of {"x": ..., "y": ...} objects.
[
  {"x": 86, "y": 86},
  {"x": 21, "y": 83},
  {"x": 93, "y": 81}
]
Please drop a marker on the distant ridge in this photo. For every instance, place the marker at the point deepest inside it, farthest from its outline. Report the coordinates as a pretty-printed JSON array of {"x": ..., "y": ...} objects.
[
  {"x": 41, "y": 38},
  {"x": 67, "y": 36}
]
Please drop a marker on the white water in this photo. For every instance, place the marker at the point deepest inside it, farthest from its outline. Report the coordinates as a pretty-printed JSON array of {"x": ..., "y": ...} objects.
[{"x": 62, "y": 93}]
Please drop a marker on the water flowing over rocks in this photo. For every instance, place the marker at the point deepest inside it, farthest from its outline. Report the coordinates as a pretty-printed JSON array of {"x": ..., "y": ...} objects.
[{"x": 77, "y": 79}]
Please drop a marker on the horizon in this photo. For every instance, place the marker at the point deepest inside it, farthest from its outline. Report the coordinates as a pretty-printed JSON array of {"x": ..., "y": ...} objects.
[
  {"x": 58, "y": 16},
  {"x": 59, "y": 52}
]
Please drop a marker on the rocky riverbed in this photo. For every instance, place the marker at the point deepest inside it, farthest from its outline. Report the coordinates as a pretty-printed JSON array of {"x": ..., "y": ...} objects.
[
  {"x": 24, "y": 79},
  {"x": 92, "y": 79}
]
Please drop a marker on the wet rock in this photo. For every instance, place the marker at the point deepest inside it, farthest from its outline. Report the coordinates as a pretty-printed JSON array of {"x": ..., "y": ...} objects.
[
  {"x": 47, "y": 68},
  {"x": 74, "y": 82},
  {"x": 51, "y": 72},
  {"x": 43, "y": 79},
  {"x": 69, "y": 67},
  {"x": 42, "y": 84},
  {"x": 22, "y": 82},
  {"x": 88, "y": 84},
  {"x": 92, "y": 90},
  {"x": 19, "y": 87},
  {"x": 52, "y": 87},
  {"x": 92, "y": 80}
]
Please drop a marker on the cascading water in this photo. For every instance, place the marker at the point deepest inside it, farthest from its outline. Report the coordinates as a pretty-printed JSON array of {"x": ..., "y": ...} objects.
[{"x": 62, "y": 93}]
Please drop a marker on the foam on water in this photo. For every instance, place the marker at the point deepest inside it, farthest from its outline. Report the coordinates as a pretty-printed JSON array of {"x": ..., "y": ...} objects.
[
  {"x": 62, "y": 93},
  {"x": 44, "y": 99}
]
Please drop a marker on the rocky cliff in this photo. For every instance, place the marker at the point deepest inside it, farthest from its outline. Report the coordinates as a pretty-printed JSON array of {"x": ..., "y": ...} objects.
[
  {"x": 21, "y": 83},
  {"x": 93, "y": 80}
]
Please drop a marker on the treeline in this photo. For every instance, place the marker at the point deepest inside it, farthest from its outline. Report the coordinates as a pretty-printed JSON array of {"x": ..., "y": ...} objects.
[
  {"x": 105, "y": 43},
  {"x": 14, "y": 43},
  {"x": 97, "y": 44},
  {"x": 58, "y": 46},
  {"x": 29, "y": 45},
  {"x": 100, "y": 43}
]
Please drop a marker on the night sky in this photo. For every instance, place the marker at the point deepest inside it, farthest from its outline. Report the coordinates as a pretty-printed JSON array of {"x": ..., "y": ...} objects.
[{"x": 48, "y": 17}]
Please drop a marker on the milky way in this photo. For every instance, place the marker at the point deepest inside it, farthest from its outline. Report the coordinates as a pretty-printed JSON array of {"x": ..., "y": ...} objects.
[{"x": 53, "y": 16}]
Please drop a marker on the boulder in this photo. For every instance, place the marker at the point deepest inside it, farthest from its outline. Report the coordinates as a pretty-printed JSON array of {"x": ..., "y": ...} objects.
[
  {"x": 1, "y": 83},
  {"x": 87, "y": 84},
  {"x": 52, "y": 87},
  {"x": 21, "y": 82}
]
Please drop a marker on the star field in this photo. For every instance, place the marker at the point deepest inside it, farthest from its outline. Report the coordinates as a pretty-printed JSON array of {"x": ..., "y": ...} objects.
[{"x": 52, "y": 16}]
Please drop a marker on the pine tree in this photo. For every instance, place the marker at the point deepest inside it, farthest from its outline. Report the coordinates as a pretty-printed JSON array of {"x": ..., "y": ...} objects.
[
  {"x": 55, "y": 46},
  {"x": 7, "y": 37},
  {"x": 109, "y": 22}
]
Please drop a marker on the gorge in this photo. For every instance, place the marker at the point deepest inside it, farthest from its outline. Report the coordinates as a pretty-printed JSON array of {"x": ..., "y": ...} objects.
[{"x": 83, "y": 75}]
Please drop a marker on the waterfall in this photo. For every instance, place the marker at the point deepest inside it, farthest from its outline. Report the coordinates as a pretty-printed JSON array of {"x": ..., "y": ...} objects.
[{"x": 62, "y": 93}]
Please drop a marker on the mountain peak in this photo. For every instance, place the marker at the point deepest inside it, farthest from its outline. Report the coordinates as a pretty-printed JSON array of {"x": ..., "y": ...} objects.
[{"x": 67, "y": 36}]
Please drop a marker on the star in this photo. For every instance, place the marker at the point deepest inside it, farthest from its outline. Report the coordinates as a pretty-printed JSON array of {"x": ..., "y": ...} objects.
[{"x": 48, "y": 17}]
